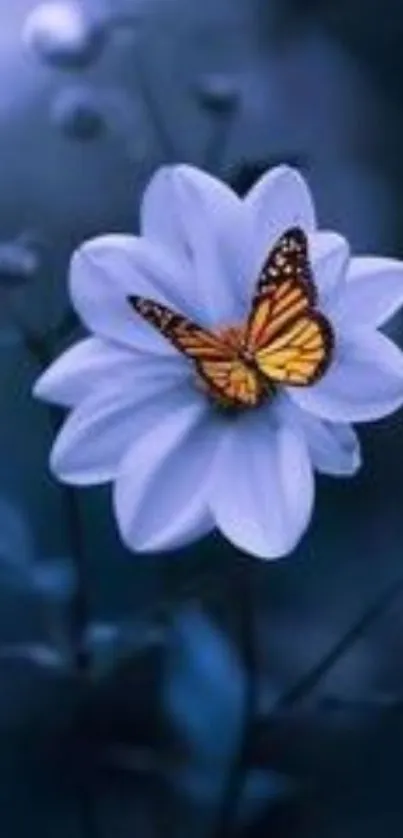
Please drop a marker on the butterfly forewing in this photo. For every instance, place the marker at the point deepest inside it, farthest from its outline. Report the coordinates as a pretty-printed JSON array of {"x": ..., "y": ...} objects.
[
  {"x": 287, "y": 259},
  {"x": 225, "y": 375},
  {"x": 290, "y": 341},
  {"x": 185, "y": 335}
]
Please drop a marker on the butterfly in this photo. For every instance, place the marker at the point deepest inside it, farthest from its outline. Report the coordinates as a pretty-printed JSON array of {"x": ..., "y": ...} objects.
[{"x": 285, "y": 340}]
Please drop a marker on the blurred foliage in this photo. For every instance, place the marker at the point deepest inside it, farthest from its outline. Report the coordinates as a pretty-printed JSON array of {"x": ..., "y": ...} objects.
[{"x": 200, "y": 693}]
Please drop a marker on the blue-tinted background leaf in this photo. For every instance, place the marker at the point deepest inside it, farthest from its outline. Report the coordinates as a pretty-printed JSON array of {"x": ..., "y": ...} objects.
[
  {"x": 204, "y": 697},
  {"x": 16, "y": 544}
]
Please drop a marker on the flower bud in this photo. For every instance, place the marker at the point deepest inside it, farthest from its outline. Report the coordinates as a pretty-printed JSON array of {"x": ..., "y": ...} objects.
[
  {"x": 61, "y": 35},
  {"x": 77, "y": 114}
]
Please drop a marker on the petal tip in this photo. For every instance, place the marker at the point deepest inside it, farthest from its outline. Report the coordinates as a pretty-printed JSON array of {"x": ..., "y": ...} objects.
[{"x": 45, "y": 389}]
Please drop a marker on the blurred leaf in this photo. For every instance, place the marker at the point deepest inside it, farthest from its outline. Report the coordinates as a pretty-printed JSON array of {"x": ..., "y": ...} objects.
[
  {"x": 36, "y": 685},
  {"x": 122, "y": 707},
  {"x": 33, "y": 653},
  {"x": 262, "y": 788},
  {"x": 120, "y": 645},
  {"x": 204, "y": 703},
  {"x": 9, "y": 336},
  {"x": 54, "y": 579},
  {"x": 205, "y": 686},
  {"x": 16, "y": 546},
  {"x": 19, "y": 263}
]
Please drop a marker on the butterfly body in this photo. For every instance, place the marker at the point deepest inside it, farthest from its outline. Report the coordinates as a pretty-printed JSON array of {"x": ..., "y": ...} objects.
[{"x": 285, "y": 340}]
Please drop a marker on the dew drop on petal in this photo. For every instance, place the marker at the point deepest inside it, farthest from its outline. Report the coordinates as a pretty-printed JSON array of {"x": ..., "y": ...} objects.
[
  {"x": 61, "y": 34},
  {"x": 76, "y": 113}
]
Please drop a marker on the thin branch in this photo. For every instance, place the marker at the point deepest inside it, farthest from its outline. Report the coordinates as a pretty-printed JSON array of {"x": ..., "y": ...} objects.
[
  {"x": 79, "y": 606},
  {"x": 307, "y": 684}
]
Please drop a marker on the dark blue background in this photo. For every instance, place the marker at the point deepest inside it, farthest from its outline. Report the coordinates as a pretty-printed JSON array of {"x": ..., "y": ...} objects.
[{"x": 201, "y": 693}]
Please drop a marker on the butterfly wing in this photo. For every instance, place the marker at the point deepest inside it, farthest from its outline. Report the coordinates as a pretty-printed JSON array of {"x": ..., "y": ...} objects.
[
  {"x": 289, "y": 339},
  {"x": 225, "y": 376},
  {"x": 235, "y": 383},
  {"x": 300, "y": 354}
]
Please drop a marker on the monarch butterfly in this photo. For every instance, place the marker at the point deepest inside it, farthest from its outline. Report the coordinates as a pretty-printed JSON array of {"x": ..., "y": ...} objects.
[{"x": 284, "y": 341}]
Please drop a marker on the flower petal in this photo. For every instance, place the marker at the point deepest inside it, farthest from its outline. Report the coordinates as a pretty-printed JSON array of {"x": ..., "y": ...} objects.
[
  {"x": 107, "y": 270},
  {"x": 199, "y": 220},
  {"x": 262, "y": 486},
  {"x": 373, "y": 292},
  {"x": 279, "y": 200},
  {"x": 160, "y": 491},
  {"x": 329, "y": 254},
  {"x": 98, "y": 433},
  {"x": 334, "y": 448},
  {"x": 364, "y": 381},
  {"x": 93, "y": 362}
]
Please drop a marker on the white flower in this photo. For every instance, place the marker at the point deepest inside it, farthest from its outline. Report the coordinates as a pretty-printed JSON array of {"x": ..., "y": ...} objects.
[{"x": 139, "y": 418}]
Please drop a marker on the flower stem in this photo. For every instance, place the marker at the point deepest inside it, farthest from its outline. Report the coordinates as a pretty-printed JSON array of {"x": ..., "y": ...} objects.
[
  {"x": 226, "y": 825},
  {"x": 79, "y": 614},
  {"x": 214, "y": 154},
  {"x": 154, "y": 112},
  {"x": 39, "y": 349}
]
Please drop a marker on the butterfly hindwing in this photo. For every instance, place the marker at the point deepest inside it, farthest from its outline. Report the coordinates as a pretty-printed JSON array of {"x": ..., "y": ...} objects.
[
  {"x": 237, "y": 383},
  {"x": 289, "y": 339},
  {"x": 300, "y": 354}
]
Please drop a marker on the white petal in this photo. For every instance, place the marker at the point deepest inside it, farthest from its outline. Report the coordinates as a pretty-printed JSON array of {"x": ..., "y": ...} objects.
[
  {"x": 160, "y": 492},
  {"x": 94, "y": 362},
  {"x": 262, "y": 486},
  {"x": 107, "y": 270},
  {"x": 279, "y": 200},
  {"x": 98, "y": 433},
  {"x": 373, "y": 292},
  {"x": 329, "y": 254},
  {"x": 199, "y": 220},
  {"x": 334, "y": 448},
  {"x": 364, "y": 381}
]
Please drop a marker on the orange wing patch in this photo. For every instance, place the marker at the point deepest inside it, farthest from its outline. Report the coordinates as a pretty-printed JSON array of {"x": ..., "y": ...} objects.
[
  {"x": 301, "y": 354},
  {"x": 285, "y": 339},
  {"x": 233, "y": 382},
  {"x": 185, "y": 335},
  {"x": 217, "y": 362},
  {"x": 289, "y": 339}
]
